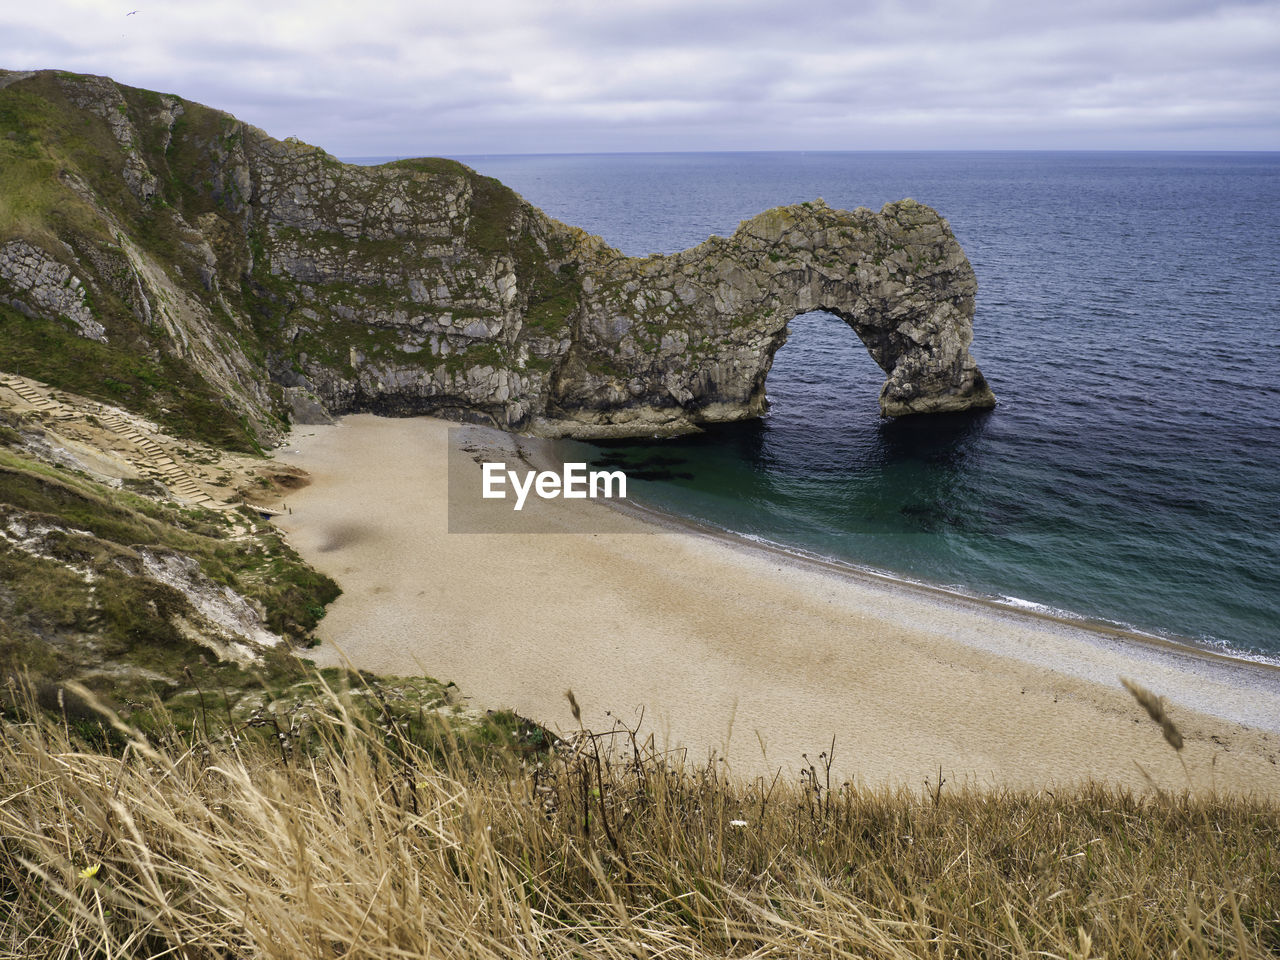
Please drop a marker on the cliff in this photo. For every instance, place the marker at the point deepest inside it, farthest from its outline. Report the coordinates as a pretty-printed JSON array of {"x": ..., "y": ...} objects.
[{"x": 169, "y": 258}]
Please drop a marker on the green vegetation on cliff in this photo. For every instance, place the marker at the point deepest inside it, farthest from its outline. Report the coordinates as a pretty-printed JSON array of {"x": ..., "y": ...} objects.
[
  {"x": 124, "y": 591},
  {"x": 158, "y": 387},
  {"x": 216, "y": 261},
  {"x": 62, "y": 190}
]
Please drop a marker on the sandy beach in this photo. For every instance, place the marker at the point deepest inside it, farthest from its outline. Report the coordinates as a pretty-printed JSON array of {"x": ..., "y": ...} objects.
[{"x": 726, "y": 646}]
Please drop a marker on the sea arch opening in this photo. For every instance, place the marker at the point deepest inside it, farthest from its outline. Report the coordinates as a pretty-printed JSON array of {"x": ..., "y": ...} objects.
[
  {"x": 821, "y": 415},
  {"x": 821, "y": 370}
]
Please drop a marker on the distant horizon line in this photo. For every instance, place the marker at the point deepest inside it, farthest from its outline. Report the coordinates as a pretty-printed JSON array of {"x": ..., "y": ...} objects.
[{"x": 389, "y": 157}]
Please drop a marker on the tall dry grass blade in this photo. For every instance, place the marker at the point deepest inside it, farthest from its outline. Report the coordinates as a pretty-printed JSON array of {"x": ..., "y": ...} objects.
[
  {"x": 1155, "y": 710},
  {"x": 573, "y": 706}
]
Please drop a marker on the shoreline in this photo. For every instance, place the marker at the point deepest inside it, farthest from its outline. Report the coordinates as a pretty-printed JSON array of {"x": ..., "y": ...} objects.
[
  {"x": 536, "y": 452},
  {"x": 647, "y": 613}
]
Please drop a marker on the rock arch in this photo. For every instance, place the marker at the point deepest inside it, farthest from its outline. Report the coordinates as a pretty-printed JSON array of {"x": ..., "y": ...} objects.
[{"x": 666, "y": 343}]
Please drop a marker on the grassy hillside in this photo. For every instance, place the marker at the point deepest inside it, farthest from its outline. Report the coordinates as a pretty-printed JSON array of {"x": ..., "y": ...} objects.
[
  {"x": 345, "y": 835},
  {"x": 107, "y": 580},
  {"x": 62, "y": 190},
  {"x": 125, "y": 373}
]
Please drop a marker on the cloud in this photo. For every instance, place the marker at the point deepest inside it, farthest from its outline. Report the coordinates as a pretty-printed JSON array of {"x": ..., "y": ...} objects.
[{"x": 493, "y": 76}]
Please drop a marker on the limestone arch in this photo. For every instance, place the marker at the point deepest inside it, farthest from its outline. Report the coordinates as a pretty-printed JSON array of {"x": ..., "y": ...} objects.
[{"x": 665, "y": 344}]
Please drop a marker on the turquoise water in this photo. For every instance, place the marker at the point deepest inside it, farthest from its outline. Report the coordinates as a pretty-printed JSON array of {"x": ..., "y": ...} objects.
[{"x": 1127, "y": 319}]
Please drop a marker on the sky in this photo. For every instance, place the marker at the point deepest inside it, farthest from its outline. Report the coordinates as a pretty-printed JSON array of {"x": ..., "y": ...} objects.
[{"x": 468, "y": 77}]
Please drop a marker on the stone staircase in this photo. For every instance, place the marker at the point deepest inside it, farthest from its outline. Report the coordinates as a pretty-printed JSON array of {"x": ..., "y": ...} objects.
[
  {"x": 154, "y": 461},
  {"x": 40, "y": 401}
]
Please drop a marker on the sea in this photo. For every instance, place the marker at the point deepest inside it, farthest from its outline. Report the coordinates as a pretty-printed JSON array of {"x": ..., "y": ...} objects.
[{"x": 1128, "y": 320}]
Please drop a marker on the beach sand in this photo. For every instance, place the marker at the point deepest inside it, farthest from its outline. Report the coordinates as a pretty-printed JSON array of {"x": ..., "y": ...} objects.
[{"x": 744, "y": 650}]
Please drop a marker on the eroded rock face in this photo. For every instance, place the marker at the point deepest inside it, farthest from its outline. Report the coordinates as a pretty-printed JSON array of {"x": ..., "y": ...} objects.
[
  {"x": 37, "y": 283},
  {"x": 297, "y": 286},
  {"x": 102, "y": 97},
  {"x": 429, "y": 289}
]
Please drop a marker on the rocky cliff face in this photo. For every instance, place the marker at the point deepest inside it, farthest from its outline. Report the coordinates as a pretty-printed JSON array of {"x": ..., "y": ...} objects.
[{"x": 274, "y": 281}]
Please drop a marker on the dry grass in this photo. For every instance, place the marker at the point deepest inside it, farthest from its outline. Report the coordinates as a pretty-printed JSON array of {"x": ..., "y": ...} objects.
[
  {"x": 353, "y": 842},
  {"x": 1154, "y": 706}
]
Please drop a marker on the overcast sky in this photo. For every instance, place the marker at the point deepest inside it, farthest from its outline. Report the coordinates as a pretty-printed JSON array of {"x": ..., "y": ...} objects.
[{"x": 382, "y": 77}]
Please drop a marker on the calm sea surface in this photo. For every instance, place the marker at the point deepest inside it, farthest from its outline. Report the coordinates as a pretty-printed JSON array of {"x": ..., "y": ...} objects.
[{"x": 1128, "y": 319}]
